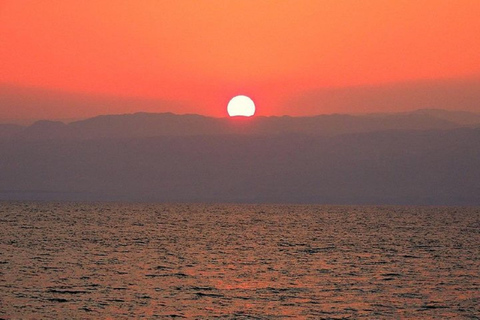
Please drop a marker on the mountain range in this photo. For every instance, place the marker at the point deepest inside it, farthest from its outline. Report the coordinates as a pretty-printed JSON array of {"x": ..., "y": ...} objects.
[
  {"x": 140, "y": 125},
  {"x": 425, "y": 157}
]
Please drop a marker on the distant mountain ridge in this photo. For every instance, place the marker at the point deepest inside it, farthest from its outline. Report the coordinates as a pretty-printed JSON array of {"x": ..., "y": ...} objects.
[
  {"x": 459, "y": 117},
  {"x": 23, "y": 105},
  {"x": 142, "y": 125},
  {"x": 425, "y": 157}
]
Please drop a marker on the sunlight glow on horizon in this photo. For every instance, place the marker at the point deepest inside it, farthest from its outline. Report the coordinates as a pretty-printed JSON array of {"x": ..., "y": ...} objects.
[{"x": 201, "y": 53}]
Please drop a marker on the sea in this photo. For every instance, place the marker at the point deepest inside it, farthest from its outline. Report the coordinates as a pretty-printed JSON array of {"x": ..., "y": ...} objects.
[{"x": 227, "y": 261}]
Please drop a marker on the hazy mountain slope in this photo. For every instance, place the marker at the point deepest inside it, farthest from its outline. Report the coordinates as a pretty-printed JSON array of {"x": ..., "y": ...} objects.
[
  {"x": 147, "y": 125},
  {"x": 9, "y": 130},
  {"x": 416, "y": 167},
  {"x": 167, "y": 124},
  {"x": 459, "y": 117},
  {"x": 341, "y": 124}
]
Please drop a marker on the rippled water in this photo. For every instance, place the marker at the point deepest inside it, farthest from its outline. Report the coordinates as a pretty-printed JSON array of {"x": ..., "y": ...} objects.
[{"x": 119, "y": 261}]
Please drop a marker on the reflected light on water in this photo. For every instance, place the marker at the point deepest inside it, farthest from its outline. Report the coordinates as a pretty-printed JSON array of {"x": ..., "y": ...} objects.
[{"x": 116, "y": 261}]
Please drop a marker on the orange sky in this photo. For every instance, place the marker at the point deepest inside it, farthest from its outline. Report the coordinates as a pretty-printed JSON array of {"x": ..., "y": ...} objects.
[{"x": 204, "y": 52}]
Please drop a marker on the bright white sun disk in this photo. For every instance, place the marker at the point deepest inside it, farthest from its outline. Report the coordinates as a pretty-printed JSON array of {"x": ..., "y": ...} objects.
[{"x": 241, "y": 106}]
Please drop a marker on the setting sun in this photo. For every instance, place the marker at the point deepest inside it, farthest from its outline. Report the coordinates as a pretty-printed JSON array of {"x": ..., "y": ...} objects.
[
  {"x": 241, "y": 106},
  {"x": 225, "y": 159}
]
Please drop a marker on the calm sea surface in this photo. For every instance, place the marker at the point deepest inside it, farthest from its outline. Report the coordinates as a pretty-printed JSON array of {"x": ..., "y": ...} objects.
[{"x": 119, "y": 261}]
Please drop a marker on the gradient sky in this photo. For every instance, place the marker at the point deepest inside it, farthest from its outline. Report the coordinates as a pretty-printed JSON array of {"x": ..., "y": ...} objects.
[{"x": 204, "y": 52}]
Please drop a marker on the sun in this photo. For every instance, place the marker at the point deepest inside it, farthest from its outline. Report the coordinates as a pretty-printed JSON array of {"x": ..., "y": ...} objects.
[{"x": 241, "y": 106}]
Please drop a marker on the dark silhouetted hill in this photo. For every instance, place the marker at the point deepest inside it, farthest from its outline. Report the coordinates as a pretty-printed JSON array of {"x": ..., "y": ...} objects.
[
  {"x": 459, "y": 117},
  {"x": 9, "y": 130},
  {"x": 143, "y": 125}
]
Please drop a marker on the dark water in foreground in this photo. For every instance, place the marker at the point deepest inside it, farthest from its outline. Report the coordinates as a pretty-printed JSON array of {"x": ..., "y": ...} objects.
[{"x": 121, "y": 261}]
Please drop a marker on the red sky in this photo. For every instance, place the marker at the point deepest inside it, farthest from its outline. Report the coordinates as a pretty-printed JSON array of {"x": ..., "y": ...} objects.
[{"x": 204, "y": 52}]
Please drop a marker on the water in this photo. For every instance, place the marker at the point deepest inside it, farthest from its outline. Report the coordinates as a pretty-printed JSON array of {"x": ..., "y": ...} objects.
[{"x": 119, "y": 261}]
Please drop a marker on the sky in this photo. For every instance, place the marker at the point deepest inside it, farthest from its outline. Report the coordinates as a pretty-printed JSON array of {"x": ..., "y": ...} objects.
[{"x": 198, "y": 54}]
